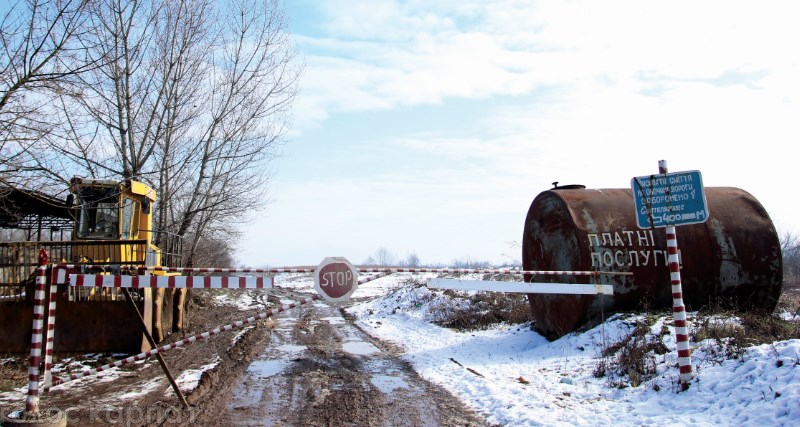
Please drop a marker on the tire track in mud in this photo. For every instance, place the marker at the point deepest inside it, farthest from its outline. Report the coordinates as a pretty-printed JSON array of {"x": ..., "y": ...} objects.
[{"x": 319, "y": 369}]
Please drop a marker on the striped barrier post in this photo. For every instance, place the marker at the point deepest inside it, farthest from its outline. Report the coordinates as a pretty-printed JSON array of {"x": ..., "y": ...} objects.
[
  {"x": 32, "y": 402},
  {"x": 50, "y": 331},
  {"x": 181, "y": 343},
  {"x": 678, "y": 308},
  {"x": 679, "y": 311}
]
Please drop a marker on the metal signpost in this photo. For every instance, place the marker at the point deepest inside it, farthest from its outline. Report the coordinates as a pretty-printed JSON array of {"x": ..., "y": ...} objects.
[{"x": 667, "y": 200}]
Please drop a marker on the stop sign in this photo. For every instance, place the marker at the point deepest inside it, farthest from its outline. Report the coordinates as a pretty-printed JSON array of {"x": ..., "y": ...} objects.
[{"x": 335, "y": 279}]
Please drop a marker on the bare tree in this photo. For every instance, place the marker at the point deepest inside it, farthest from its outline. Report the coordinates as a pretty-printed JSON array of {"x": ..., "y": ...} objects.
[
  {"x": 191, "y": 99},
  {"x": 381, "y": 257},
  {"x": 41, "y": 53},
  {"x": 411, "y": 260}
]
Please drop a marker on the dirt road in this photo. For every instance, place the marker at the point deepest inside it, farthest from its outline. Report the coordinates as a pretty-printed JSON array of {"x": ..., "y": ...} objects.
[
  {"x": 308, "y": 366},
  {"x": 315, "y": 368}
]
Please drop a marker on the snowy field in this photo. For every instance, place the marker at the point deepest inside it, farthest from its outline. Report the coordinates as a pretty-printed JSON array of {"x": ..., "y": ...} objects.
[{"x": 515, "y": 377}]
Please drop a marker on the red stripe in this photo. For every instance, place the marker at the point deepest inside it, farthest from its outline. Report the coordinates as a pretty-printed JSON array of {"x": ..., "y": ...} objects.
[
  {"x": 687, "y": 369},
  {"x": 681, "y": 338},
  {"x": 680, "y": 323},
  {"x": 242, "y": 282},
  {"x": 677, "y": 295},
  {"x": 678, "y": 309},
  {"x": 684, "y": 353}
]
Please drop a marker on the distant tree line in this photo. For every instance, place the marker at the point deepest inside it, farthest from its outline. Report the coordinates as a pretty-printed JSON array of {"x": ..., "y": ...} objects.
[
  {"x": 790, "y": 246},
  {"x": 192, "y": 97},
  {"x": 386, "y": 258}
]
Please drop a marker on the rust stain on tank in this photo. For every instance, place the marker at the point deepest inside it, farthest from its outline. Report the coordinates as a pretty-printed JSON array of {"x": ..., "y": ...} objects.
[{"x": 734, "y": 258}]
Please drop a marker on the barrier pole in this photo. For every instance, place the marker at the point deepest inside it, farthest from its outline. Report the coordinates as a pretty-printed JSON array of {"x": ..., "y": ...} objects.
[
  {"x": 678, "y": 308},
  {"x": 32, "y": 402},
  {"x": 181, "y": 343},
  {"x": 387, "y": 270},
  {"x": 50, "y": 332}
]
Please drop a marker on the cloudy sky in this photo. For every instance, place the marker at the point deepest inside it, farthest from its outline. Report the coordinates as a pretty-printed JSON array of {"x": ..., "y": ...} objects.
[{"x": 429, "y": 127}]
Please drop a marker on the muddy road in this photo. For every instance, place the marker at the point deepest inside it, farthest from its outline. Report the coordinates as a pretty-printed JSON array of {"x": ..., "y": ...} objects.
[
  {"x": 307, "y": 366},
  {"x": 316, "y": 368}
]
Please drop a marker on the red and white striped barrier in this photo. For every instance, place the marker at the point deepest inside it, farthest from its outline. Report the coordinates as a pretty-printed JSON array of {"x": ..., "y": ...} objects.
[
  {"x": 371, "y": 278},
  {"x": 37, "y": 332},
  {"x": 387, "y": 270},
  {"x": 225, "y": 270},
  {"x": 51, "y": 331},
  {"x": 679, "y": 310},
  {"x": 486, "y": 271},
  {"x": 181, "y": 343},
  {"x": 169, "y": 282}
]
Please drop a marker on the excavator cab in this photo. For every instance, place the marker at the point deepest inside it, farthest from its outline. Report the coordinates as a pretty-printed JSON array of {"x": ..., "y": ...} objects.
[{"x": 111, "y": 229}]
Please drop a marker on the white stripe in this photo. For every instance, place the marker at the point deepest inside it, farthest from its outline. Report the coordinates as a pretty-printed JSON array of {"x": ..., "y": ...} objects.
[{"x": 520, "y": 287}]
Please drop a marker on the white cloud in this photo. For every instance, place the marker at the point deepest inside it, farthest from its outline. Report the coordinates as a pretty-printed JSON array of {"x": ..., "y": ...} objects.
[
  {"x": 385, "y": 54},
  {"x": 603, "y": 90}
]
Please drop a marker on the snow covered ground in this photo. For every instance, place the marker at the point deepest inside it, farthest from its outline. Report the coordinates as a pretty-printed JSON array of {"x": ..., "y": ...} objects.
[{"x": 515, "y": 377}]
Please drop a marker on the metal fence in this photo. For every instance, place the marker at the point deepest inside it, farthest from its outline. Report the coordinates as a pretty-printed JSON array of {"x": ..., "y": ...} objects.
[{"x": 19, "y": 260}]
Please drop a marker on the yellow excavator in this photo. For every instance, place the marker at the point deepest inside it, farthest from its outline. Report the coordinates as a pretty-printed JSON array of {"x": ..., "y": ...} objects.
[{"x": 109, "y": 229}]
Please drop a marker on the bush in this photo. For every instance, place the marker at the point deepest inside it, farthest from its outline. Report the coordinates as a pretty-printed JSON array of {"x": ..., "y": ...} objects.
[{"x": 633, "y": 359}]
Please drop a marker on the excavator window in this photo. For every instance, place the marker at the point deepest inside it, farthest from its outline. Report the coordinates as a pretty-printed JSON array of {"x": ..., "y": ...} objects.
[
  {"x": 129, "y": 211},
  {"x": 99, "y": 214}
]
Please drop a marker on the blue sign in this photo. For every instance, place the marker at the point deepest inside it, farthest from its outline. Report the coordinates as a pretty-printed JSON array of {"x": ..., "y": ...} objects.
[{"x": 669, "y": 199}]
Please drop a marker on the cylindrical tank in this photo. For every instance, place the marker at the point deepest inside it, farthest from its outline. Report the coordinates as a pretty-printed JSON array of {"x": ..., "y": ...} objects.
[{"x": 733, "y": 259}]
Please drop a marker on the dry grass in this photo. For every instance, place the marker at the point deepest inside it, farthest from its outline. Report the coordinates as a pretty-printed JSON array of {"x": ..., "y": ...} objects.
[
  {"x": 13, "y": 373},
  {"x": 488, "y": 309},
  {"x": 633, "y": 359}
]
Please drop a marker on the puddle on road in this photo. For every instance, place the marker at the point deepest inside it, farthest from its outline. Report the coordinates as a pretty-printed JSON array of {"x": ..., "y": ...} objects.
[
  {"x": 267, "y": 368},
  {"x": 360, "y": 348},
  {"x": 387, "y": 384},
  {"x": 291, "y": 349},
  {"x": 337, "y": 320}
]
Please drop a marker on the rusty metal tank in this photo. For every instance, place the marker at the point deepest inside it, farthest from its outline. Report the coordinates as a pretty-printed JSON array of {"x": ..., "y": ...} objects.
[{"x": 733, "y": 259}]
